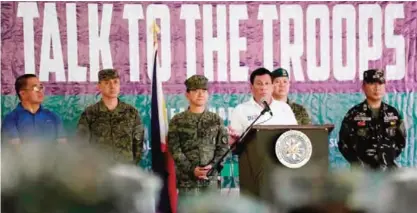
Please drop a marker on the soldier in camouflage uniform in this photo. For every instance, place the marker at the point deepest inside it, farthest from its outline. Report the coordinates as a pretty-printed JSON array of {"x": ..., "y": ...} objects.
[
  {"x": 197, "y": 139},
  {"x": 281, "y": 88},
  {"x": 372, "y": 133},
  {"x": 112, "y": 124}
]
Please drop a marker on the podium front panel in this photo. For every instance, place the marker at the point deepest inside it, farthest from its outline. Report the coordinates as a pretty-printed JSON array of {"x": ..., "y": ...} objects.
[
  {"x": 259, "y": 157},
  {"x": 266, "y": 141}
]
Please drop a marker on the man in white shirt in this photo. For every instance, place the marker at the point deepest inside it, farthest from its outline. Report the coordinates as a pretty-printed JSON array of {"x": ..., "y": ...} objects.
[{"x": 245, "y": 113}]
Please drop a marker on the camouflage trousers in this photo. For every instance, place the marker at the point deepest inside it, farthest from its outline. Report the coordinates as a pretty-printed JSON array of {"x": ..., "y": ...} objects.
[
  {"x": 190, "y": 195},
  {"x": 196, "y": 191}
]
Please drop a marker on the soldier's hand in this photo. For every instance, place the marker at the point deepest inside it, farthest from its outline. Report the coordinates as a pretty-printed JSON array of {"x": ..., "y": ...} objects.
[
  {"x": 201, "y": 172},
  {"x": 207, "y": 168},
  {"x": 233, "y": 135},
  {"x": 198, "y": 172}
]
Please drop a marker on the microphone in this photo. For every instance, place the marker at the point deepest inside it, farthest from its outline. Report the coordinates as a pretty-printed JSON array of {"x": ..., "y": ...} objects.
[
  {"x": 239, "y": 145},
  {"x": 266, "y": 105}
]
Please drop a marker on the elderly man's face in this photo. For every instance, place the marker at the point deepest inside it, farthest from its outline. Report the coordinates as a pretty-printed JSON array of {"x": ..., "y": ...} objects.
[{"x": 262, "y": 87}]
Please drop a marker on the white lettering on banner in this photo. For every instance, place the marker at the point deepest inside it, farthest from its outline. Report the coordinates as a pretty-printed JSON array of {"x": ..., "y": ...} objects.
[
  {"x": 397, "y": 71},
  {"x": 317, "y": 72},
  {"x": 51, "y": 37},
  {"x": 133, "y": 12},
  {"x": 291, "y": 52},
  {"x": 237, "y": 44},
  {"x": 343, "y": 72},
  {"x": 190, "y": 13},
  {"x": 99, "y": 39},
  {"x": 76, "y": 73},
  {"x": 161, "y": 12},
  {"x": 218, "y": 43},
  {"x": 296, "y": 48},
  {"x": 28, "y": 11},
  {"x": 366, "y": 51},
  {"x": 268, "y": 13}
]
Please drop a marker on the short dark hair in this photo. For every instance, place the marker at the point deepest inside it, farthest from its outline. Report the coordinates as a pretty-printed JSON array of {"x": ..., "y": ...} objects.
[
  {"x": 258, "y": 72},
  {"x": 21, "y": 82},
  {"x": 189, "y": 90}
]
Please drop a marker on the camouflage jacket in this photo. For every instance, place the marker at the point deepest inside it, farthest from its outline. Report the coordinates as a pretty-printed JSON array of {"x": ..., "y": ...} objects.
[
  {"x": 373, "y": 142},
  {"x": 300, "y": 113},
  {"x": 196, "y": 140},
  {"x": 119, "y": 132}
]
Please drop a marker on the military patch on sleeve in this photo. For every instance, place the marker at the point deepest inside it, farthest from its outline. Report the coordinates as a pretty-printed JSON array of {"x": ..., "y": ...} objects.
[{"x": 224, "y": 139}]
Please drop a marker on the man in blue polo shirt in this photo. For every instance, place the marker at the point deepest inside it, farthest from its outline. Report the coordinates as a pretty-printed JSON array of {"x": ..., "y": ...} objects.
[{"x": 29, "y": 122}]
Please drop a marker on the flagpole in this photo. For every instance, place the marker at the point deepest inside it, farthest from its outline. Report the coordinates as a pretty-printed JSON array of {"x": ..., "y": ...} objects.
[
  {"x": 160, "y": 126},
  {"x": 155, "y": 31}
]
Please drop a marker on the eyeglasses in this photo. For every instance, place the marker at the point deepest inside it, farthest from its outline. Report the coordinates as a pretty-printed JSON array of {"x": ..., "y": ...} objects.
[{"x": 36, "y": 88}]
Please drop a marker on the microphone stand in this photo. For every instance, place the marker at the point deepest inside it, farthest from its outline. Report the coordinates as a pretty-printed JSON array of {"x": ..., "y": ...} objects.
[{"x": 219, "y": 165}]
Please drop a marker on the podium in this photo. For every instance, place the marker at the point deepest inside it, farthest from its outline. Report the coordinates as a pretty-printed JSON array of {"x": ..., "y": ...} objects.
[{"x": 267, "y": 147}]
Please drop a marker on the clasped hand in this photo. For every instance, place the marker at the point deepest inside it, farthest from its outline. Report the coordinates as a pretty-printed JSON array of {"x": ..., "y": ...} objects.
[{"x": 201, "y": 172}]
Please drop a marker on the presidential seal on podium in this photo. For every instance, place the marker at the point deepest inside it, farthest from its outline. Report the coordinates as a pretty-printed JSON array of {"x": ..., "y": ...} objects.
[{"x": 293, "y": 149}]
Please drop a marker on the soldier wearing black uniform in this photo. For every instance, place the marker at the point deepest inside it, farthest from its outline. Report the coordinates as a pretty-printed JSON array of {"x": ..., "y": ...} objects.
[{"x": 372, "y": 133}]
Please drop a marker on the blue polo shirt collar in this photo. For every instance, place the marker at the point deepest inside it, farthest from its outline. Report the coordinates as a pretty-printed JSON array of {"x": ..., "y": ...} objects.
[{"x": 20, "y": 108}]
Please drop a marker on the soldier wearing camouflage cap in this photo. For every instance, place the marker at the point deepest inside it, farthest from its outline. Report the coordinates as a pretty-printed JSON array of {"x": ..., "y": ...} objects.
[
  {"x": 197, "y": 139},
  {"x": 112, "y": 124},
  {"x": 372, "y": 133},
  {"x": 281, "y": 81}
]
